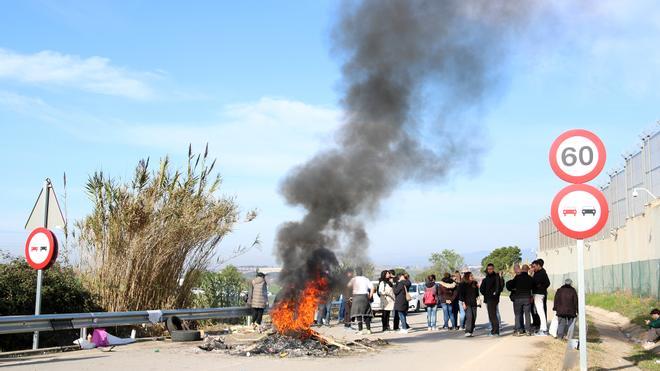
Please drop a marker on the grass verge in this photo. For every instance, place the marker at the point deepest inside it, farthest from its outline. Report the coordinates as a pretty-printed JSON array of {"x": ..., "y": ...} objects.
[
  {"x": 633, "y": 307},
  {"x": 643, "y": 359}
]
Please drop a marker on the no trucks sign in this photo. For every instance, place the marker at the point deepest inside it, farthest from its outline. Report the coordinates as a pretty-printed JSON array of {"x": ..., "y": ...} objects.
[
  {"x": 579, "y": 211},
  {"x": 41, "y": 248}
]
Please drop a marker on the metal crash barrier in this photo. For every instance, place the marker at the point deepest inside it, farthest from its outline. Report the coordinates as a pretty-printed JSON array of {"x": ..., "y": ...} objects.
[{"x": 70, "y": 321}]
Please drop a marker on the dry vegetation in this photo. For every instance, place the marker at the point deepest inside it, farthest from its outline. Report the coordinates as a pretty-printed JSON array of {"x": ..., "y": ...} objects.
[
  {"x": 147, "y": 241},
  {"x": 552, "y": 357}
]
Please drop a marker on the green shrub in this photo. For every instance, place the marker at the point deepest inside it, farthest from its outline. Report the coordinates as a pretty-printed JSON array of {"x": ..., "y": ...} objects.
[
  {"x": 62, "y": 292},
  {"x": 222, "y": 289}
]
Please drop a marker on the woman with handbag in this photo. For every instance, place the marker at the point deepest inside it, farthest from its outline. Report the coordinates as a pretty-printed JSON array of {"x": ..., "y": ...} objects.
[
  {"x": 402, "y": 297},
  {"x": 386, "y": 295}
]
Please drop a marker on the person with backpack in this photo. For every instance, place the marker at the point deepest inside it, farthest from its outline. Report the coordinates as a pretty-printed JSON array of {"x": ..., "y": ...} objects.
[
  {"x": 431, "y": 295},
  {"x": 386, "y": 295},
  {"x": 491, "y": 288},
  {"x": 468, "y": 293},
  {"x": 448, "y": 295}
]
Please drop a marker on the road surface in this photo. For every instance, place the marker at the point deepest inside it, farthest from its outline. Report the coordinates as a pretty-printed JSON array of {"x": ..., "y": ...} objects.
[{"x": 419, "y": 350}]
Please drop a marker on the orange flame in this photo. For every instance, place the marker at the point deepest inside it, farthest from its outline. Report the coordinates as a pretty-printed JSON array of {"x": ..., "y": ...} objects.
[{"x": 294, "y": 317}]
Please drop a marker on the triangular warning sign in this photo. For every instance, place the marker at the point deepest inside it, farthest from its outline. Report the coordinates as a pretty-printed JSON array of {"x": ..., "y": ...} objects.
[{"x": 55, "y": 217}]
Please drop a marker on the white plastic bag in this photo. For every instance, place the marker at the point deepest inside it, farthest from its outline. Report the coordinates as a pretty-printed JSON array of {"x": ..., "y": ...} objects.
[{"x": 554, "y": 325}]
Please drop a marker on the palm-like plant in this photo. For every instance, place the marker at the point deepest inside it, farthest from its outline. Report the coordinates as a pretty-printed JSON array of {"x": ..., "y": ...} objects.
[{"x": 146, "y": 242}]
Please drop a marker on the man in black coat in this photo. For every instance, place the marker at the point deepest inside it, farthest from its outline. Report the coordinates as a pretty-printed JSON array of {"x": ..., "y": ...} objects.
[
  {"x": 491, "y": 288},
  {"x": 521, "y": 288},
  {"x": 566, "y": 307},
  {"x": 540, "y": 291}
]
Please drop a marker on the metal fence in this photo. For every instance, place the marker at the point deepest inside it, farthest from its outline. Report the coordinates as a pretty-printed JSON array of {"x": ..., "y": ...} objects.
[
  {"x": 70, "y": 321},
  {"x": 638, "y": 278},
  {"x": 641, "y": 170}
]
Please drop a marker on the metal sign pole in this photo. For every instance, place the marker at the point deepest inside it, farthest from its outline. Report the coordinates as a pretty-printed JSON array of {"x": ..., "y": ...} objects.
[
  {"x": 37, "y": 304},
  {"x": 582, "y": 315}
]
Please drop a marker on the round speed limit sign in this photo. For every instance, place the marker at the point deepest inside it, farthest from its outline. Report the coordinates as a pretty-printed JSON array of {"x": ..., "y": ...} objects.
[{"x": 577, "y": 156}]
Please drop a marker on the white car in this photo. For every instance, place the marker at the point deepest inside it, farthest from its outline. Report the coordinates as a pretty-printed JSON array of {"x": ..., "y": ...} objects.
[{"x": 415, "y": 304}]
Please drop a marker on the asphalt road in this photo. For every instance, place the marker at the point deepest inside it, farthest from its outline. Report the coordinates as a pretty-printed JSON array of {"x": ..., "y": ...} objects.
[{"x": 419, "y": 350}]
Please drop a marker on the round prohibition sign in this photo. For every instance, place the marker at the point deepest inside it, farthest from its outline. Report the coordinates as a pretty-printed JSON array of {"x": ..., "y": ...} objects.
[
  {"x": 577, "y": 156},
  {"x": 579, "y": 211},
  {"x": 41, "y": 248}
]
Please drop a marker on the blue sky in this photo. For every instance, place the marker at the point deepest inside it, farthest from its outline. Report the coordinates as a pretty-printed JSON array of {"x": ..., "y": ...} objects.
[{"x": 96, "y": 85}]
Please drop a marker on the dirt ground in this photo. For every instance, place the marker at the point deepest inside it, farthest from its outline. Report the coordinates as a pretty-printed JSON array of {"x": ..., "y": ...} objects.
[
  {"x": 612, "y": 351},
  {"x": 418, "y": 350}
]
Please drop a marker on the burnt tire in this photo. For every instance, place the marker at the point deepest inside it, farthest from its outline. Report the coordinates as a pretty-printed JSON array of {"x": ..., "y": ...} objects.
[
  {"x": 185, "y": 335},
  {"x": 175, "y": 323}
]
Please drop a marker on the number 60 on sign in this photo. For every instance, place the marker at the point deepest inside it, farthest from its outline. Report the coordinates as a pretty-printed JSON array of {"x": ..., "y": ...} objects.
[{"x": 577, "y": 156}]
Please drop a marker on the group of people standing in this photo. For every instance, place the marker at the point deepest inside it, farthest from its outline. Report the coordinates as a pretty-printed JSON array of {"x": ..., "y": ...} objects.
[
  {"x": 459, "y": 297},
  {"x": 392, "y": 289}
]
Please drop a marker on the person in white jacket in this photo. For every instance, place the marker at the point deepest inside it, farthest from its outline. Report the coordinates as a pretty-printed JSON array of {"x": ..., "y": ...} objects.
[{"x": 386, "y": 295}]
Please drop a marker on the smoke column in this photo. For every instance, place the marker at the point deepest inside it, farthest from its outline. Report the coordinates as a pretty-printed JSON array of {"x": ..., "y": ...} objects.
[{"x": 413, "y": 74}]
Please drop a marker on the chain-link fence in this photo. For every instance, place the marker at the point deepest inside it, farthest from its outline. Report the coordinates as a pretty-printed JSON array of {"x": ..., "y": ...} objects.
[{"x": 639, "y": 278}]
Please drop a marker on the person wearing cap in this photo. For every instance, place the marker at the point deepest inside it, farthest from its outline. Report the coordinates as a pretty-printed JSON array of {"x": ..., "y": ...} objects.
[
  {"x": 258, "y": 297},
  {"x": 566, "y": 307}
]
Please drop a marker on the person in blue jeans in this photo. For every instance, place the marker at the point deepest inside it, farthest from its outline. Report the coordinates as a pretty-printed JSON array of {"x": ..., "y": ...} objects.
[
  {"x": 401, "y": 302},
  {"x": 459, "y": 310},
  {"x": 448, "y": 295},
  {"x": 431, "y": 298}
]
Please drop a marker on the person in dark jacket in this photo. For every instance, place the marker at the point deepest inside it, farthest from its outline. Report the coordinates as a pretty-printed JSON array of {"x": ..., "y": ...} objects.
[
  {"x": 395, "y": 315},
  {"x": 540, "y": 290},
  {"x": 468, "y": 293},
  {"x": 401, "y": 301},
  {"x": 566, "y": 307},
  {"x": 521, "y": 293},
  {"x": 491, "y": 288},
  {"x": 448, "y": 295}
]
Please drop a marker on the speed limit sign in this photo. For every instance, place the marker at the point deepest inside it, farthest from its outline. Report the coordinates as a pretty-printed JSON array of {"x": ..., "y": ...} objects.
[{"x": 577, "y": 156}]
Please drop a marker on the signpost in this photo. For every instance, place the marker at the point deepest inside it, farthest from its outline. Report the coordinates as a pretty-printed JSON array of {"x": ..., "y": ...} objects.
[
  {"x": 579, "y": 211},
  {"x": 41, "y": 246}
]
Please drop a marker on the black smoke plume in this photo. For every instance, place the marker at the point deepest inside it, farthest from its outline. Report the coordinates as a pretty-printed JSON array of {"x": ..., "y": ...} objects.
[{"x": 414, "y": 77}]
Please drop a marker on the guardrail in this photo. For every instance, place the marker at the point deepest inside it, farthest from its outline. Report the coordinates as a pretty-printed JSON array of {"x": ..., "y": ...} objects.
[{"x": 71, "y": 321}]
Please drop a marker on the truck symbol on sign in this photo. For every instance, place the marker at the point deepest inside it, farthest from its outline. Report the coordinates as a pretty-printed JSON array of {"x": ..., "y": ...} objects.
[
  {"x": 588, "y": 210},
  {"x": 569, "y": 212}
]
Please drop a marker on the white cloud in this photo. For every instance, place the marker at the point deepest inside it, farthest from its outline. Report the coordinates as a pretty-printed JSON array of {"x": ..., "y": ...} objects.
[
  {"x": 265, "y": 137},
  {"x": 93, "y": 74}
]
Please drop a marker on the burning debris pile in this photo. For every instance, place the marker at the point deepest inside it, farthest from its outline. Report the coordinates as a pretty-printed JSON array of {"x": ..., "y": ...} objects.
[{"x": 275, "y": 344}]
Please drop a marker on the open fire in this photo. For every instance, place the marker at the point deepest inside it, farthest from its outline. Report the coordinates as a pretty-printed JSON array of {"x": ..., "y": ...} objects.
[{"x": 295, "y": 316}]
